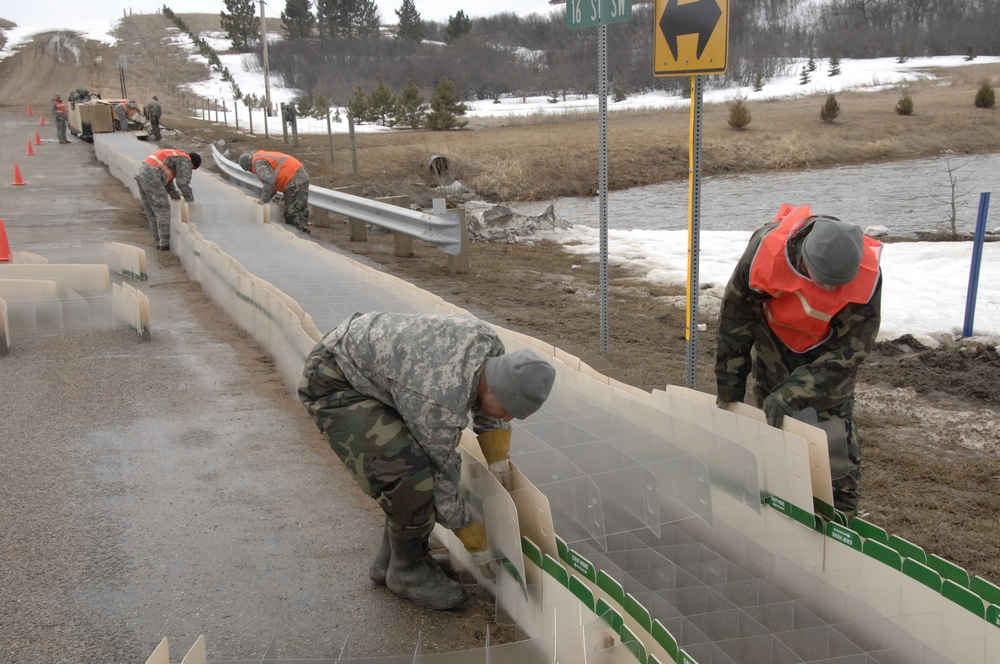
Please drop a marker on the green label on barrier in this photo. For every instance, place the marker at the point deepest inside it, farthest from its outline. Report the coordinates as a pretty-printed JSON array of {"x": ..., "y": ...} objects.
[
  {"x": 843, "y": 535},
  {"x": 582, "y": 565}
]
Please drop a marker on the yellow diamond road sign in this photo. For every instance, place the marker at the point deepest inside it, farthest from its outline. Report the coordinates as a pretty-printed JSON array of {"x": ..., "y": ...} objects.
[{"x": 691, "y": 37}]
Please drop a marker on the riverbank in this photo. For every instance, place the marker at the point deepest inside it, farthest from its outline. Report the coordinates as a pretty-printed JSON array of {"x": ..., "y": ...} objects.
[{"x": 513, "y": 160}]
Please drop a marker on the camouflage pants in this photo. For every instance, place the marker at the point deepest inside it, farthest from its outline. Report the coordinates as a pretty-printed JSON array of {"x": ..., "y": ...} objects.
[
  {"x": 154, "y": 126},
  {"x": 373, "y": 442},
  {"x": 156, "y": 204},
  {"x": 61, "y": 128},
  {"x": 769, "y": 372},
  {"x": 296, "y": 206}
]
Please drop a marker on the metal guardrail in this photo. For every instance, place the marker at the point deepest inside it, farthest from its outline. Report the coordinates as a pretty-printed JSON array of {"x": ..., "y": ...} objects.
[{"x": 443, "y": 229}]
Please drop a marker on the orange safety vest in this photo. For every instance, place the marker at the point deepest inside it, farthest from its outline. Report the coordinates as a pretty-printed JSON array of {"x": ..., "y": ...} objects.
[
  {"x": 799, "y": 312},
  {"x": 159, "y": 160},
  {"x": 60, "y": 107},
  {"x": 284, "y": 167}
]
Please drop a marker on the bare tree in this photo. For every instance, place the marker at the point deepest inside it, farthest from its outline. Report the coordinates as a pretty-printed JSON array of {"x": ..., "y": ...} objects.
[{"x": 955, "y": 196}]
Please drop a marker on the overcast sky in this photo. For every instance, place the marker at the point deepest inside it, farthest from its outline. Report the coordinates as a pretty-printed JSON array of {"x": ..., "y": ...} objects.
[{"x": 71, "y": 14}]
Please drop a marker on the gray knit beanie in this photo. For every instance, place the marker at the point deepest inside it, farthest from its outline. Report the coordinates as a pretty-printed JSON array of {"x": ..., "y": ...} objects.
[
  {"x": 521, "y": 381},
  {"x": 832, "y": 250},
  {"x": 245, "y": 161}
]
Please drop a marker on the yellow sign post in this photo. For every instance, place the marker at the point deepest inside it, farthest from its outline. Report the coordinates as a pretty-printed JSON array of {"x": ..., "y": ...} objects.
[{"x": 692, "y": 38}]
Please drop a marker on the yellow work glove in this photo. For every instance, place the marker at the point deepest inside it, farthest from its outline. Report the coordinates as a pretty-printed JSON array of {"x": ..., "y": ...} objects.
[
  {"x": 473, "y": 536},
  {"x": 496, "y": 449}
]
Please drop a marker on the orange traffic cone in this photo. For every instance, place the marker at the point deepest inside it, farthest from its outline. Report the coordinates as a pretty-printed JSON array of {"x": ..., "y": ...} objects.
[
  {"x": 29, "y": 110},
  {"x": 38, "y": 139},
  {"x": 31, "y": 150},
  {"x": 4, "y": 245},
  {"x": 42, "y": 123},
  {"x": 17, "y": 175}
]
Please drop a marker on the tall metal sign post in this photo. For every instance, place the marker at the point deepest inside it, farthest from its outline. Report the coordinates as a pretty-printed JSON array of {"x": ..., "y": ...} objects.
[
  {"x": 122, "y": 66},
  {"x": 692, "y": 39},
  {"x": 267, "y": 65},
  {"x": 589, "y": 14}
]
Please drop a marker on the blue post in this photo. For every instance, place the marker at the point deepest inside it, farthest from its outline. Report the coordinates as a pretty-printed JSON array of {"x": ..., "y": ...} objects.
[{"x": 977, "y": 259}]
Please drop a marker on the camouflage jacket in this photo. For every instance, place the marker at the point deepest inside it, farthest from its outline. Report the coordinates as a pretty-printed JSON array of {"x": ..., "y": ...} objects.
[
  {"x": 269, "y": 179},
  {"x": 180, "y": 185},
  {"x": 427, "y": 368},
  {"x": 822, "y": 377}
]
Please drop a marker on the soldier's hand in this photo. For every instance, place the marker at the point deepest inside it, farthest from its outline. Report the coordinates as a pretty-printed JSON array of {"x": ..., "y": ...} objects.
[
  {"x": 259, "y": 202},
  {"x": 775, "y": 410}
]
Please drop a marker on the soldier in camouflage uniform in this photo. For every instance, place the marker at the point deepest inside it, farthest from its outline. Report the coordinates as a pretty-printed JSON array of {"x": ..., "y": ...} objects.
[
  {"x": 154, "y": 110},
  {"x": 59, "y": 113},
  {"x": 393, "y": 394},
  {"x": 284, "y": 174},
  {"x": 804, "y": 305},
  {"x": 165, "y": 173}
]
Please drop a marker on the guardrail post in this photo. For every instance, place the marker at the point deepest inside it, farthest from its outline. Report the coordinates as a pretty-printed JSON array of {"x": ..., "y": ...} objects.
[
  {"x": 358, "y": 231},
  {"x": 402, "y": 243},
  {"x": 458, "y": 264}
]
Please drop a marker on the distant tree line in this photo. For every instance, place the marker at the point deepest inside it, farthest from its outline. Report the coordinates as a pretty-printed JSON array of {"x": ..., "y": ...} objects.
[{"x": 332, "y": 47}]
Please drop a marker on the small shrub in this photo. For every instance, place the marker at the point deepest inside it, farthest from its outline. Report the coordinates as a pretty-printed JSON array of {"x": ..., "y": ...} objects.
[
  {"x": 905, "y": 104},
  {"x": 830, "y": 110},
  {"x": 739, "y": 114},
  {"x": 985, "y": 96},
  {"x": 619, "y": 93}
]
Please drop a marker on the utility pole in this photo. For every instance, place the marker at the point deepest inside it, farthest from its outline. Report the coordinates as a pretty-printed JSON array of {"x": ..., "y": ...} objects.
[{"x": 267, "y": 66}]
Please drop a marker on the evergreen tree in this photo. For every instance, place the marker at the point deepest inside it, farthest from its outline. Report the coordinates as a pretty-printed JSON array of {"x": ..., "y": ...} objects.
[
  {"x": 329, "y": 18},
  {"x": 739, "y": 114},
  {"x": 811, "y": 64},
  {"x": 758, "y": 82},
  {"x": 297, "y": 19},
  {"x": 321, "y": 107},
  {"x": 410, "y": 107},
  {"x": 357, "y": 106},
  {"x": 830, "y": 110},
  {"x": 241, "y": 24},
  {"x": 458, "y": 25},
  {"x": 303, "y": 106},
  {"x": 365, "y": 19},
  {"x": 985, "y": 96},
  {"x": 835, "y": 64},
  {"x": 410, "y": 26},
  {"x": 804, "y": 79},
  {"x": 381, "y": 105},
  {"x": 905, "y": 104},
  {"x": 445, "y": 107}
]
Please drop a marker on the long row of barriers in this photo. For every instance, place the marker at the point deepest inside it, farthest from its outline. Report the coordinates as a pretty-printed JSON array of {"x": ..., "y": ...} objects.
[{"x": 642, "y": 526}]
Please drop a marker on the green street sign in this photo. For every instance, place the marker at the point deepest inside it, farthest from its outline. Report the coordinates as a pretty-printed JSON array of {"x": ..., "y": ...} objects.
[{"x": 592, "y": 13}]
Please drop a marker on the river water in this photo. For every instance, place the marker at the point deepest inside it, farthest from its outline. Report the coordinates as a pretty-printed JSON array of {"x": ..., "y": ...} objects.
[{"x": 904, "y": 197}]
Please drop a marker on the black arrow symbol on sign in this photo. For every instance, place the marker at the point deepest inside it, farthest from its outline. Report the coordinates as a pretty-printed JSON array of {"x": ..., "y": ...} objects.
[{"x": 699, "y": 17}]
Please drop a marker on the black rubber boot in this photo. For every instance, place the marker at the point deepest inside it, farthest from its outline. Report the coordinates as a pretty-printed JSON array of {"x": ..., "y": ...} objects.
[
  {"x": 413, "y": 575},
  {"x": 381, "y": 562}
]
